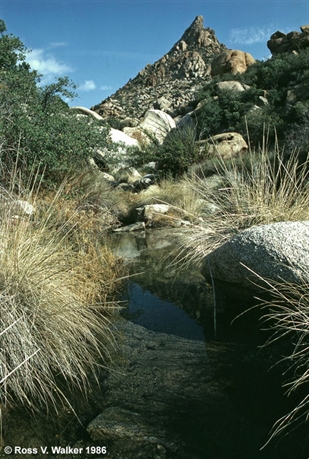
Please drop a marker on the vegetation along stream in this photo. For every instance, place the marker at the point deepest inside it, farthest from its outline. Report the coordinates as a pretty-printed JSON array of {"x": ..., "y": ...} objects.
[{"x": 234, "y": 393}]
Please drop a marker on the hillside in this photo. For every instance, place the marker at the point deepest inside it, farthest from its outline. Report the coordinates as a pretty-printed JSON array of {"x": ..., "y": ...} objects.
[{"x": 169, "y": 83}]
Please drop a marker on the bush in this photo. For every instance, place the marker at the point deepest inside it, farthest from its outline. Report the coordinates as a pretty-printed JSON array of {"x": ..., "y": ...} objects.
[
  {"x": 228, "y": 110},
  {"x": 177, "y": 152},
  {"x": 36, "y": 125},
  {"x": 225, "y": 112}
]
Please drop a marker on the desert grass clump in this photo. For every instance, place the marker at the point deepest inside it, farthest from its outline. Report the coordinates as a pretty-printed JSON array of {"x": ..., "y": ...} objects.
[
  {"x": 287, "y": 316},
  {"x": 55, "y": 309},
  {"x": 259, "y": 188},
  {"x": 179, "y": 194}
]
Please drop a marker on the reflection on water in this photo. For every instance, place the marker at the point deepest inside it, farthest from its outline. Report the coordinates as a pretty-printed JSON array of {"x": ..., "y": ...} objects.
[
  {"x": 151, "y": 312},
  {"x": 161, "y": 298}
]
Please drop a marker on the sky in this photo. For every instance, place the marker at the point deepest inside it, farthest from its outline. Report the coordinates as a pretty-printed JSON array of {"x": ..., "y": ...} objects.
[{"x": 101, "y": 44}]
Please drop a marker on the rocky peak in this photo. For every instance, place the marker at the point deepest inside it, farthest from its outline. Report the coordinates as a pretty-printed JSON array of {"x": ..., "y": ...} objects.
[
  {"x": 175, "y": 77},
  {"x": 197, "y": 37}
]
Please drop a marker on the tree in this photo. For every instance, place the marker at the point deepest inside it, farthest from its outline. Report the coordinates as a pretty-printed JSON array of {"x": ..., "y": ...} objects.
[{"x": 37, "y": 128}]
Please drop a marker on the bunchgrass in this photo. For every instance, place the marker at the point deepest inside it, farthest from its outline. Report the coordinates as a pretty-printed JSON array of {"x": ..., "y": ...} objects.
[
  {"x": 179, "y": 194},
  {"x": 259, "y": 188},
  {"x": 56, "y": 287},
  {"x": 287, "y": 316}
]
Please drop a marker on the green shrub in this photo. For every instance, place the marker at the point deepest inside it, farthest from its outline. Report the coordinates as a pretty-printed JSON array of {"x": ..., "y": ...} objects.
[
  {"x": 225, "y": 112},
  {"x": 36, "y": 125},
  {"x": 177, "y": 152},
  {"x": 228, "y": 110}
]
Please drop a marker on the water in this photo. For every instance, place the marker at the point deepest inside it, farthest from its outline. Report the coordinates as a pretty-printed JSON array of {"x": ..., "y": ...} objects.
[
  {"x": 245, "y": 381},
  {"x": 158, "y": 315},
  {"x": 158, "y": 297}
]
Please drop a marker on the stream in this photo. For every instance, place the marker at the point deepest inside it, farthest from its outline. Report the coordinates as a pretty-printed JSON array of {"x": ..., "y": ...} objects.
[
  {"x": 191, "y": 378},
  {"x": 244, "y": 396}
]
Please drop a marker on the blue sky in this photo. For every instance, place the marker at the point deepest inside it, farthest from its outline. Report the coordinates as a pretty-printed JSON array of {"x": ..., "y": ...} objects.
[{"x": 101, "y": 44}]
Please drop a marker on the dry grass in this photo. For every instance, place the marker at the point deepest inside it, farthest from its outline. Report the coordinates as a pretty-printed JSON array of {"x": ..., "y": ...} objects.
[
  {"x": 287, "y": 315},
  {"x": 183, "y": 200},
  {"x": 255, "y": 190},
  {"x": 56, "y": 286}
]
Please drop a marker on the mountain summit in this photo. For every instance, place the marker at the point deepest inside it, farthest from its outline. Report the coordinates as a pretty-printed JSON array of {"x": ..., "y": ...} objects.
[{"x": 169, "y": 83}]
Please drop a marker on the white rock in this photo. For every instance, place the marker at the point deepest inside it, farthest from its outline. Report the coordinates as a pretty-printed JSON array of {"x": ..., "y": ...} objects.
[
  {"x": 120, "y": 137},
  {"x": 138, "y": 226},
  {"x": 157, "y": 123},
  {"x": 150, "y": 210},
  {"x": 88, "y": 112},
  {"x": 24, "y": 207},
  {"x": 232, "y": 86},
  {"x": 226, "y": 145},
  {"x": 277, "y": 252}
]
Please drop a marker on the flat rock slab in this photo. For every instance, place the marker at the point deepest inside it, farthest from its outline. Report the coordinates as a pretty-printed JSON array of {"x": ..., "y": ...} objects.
[
  {"x": 174, "y": 398},
  {"x": 150, "y": 393}
]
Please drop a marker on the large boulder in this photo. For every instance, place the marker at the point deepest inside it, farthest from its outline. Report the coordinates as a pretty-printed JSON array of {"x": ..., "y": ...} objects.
[
  {"x": 232, "y": 85},
  {"x": 277, "y": 252},
  {"x": 227, "y": 145},
  {"x": 231, "y": 61},
  {"x": 155, "y": 123},
  {"x": 122, "y": 138}
]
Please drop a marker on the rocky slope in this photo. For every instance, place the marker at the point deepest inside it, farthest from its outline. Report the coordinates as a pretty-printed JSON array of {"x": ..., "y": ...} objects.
[{"x": 170, "y": 83}]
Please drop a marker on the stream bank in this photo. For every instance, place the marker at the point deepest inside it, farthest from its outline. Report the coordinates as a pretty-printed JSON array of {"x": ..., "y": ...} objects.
[{"x": 172, "y": 395}]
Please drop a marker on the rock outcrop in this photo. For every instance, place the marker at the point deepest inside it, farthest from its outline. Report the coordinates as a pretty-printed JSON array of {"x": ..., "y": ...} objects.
[
  {"x": 277, "y": 252},
  {"x": 280, "y": 42},
  {"x": 231, "y": 61},
  {"x": 169, "y": 83},
  {"x": 156, "y": 123},
  {"x": 226, "y": 145}
]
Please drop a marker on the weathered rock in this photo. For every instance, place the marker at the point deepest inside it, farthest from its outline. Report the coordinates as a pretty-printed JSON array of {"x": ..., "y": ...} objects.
[
  {"x": 122, "y": 138},
  {"x": 117, "y": 423},
  {"x": 280, "y": 42},
  {"x": 278, "y": 252},
  {"x": 187, "y": 121},
  {"x": 162, "y": 103},
  {"x": 138, "y": 226},
  {"x": 126, "y": 174},
  {"x": 145, "y": 182},
  {"x": 99, "y": 159},
  {"x": 138, "y": 134},
  {"x": 124, "y": 186},
  {"x": 107, "y": 177},
  {"x": 262, "y": 101},
  {"x": 88, "y": 112},
  {"x": 236, "y": 86},
  {"x": 154, "y": 387},
  {"x": 152, "y": 210},
  {"x": 173, "y": 395},
  {"x": 157, "y": 123},
  {"x": 295, "y": 94},
  {"x": 231, "y": 61},
  {"x": 226, "y": 145},
  {"x": 22, "y": 208}
]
